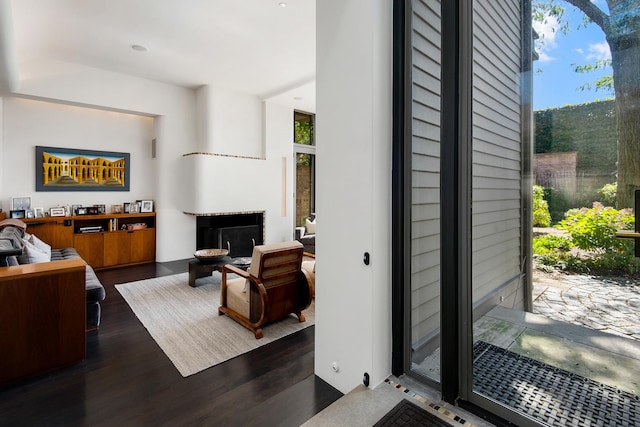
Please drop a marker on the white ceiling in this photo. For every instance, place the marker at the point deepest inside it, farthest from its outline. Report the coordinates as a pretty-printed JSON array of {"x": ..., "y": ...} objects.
[{"x": 251, "y": 46}]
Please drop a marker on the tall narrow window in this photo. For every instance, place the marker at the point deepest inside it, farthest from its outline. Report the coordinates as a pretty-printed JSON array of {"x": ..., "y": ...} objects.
[{"x": 304, "y": 149}]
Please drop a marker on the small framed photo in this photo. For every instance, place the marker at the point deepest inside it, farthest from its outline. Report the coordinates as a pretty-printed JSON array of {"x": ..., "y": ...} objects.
[
  {"x": 116, "y": 209},
  {"x": 17, "y": 213},
  {"x": 134, "y": 207},
  {"x": 38, "y": 212},
  {"x": 21, "y": 203},
  {"x": 57, "y": 211},
  {"x": 74, "y": 209},
  {"x": 125, "y": 207},
  {"x": 30, "y": 213},
  {"x": 146, "y": 206},
  {"x": 101, "y": 209}
]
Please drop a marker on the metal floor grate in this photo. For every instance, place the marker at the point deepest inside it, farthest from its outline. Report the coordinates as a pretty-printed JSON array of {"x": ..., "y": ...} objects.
[{"x": 549, "y": 394}]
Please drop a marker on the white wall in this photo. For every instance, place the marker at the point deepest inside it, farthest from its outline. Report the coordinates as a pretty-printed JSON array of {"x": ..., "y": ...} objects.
[
  {"x": 2, "y": 193},
  {"x": 29, "y": 123},
  {"x": 173, "y": 109},
  {"x": 353, "y": 301},
  {"x": 170, "y": 180},
  {"x": 234, "y": 184},
  {"x": 229, "y": 122}
]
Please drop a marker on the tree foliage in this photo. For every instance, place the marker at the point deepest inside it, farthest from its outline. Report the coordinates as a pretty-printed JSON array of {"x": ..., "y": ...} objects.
[
  {"x": 621, "y": 27},
  {"x": 604, "y": 83},
  {"x": 303, "y": 132}
]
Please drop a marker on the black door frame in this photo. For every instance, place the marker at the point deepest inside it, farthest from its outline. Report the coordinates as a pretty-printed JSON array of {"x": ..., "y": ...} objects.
[{"x": 455, "y": 191}]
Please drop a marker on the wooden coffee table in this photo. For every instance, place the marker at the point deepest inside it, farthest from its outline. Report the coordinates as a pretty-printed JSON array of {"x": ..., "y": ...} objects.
[{"x": 198, "y": 269}]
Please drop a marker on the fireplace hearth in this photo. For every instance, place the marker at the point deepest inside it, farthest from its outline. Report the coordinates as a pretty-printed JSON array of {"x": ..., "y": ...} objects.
[{"x": 238, "y": 232}]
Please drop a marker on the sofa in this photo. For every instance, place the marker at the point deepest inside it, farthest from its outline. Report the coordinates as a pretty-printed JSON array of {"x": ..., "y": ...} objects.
[
  {"x": 42, "y": 309},
  {"x": 307, "y": 235},
  {"x": 18, "y": 247},
  {"x": 93, "y": 288}
]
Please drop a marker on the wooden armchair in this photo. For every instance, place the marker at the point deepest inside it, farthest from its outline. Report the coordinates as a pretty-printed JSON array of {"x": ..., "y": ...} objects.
[{"x": 273, "y": 287}]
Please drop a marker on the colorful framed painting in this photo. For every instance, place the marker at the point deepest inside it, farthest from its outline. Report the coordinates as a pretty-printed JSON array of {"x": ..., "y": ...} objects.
[{"x": 69, "y": 169}]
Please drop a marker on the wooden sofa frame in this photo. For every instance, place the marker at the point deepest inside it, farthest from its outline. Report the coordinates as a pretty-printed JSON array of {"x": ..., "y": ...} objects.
[{"x": 42, "y": 317}]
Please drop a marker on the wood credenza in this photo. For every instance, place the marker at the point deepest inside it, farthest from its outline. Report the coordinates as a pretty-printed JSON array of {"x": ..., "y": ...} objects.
[{"x": 108, "y": 240}]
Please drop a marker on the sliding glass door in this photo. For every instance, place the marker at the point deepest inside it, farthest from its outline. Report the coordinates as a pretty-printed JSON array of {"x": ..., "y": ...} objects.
[{"x": 536, "y": 330}]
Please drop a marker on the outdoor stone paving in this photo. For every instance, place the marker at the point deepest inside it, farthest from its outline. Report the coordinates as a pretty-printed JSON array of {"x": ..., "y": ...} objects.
[{"x": 606, "y": 305}]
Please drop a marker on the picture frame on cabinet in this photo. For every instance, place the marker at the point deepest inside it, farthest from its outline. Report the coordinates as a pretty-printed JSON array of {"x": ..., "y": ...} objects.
[
  {"x": 59, "y": 211},
  {"x": 146, "y": 206},
  {"x": 17, "y": 213},
  {"x": 21, "y": 203},
  {"x": 38, "y": 212}
]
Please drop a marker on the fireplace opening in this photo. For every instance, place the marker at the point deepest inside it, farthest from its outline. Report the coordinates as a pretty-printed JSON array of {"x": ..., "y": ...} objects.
[{"x": 238, "y": 232}]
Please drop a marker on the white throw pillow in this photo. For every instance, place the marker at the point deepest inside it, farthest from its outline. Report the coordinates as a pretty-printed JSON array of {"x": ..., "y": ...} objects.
[
  {"x": 33, "y": 255},
  {"x": 310, "y": 226},
  {"x": 44, "y": 247}
]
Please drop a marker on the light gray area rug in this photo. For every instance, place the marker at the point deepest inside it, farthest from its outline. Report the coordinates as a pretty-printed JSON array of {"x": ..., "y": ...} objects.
[{"x": 184, "y": 321}]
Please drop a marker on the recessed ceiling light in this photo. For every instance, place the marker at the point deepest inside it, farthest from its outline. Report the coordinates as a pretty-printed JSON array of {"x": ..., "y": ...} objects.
[
  {"x": 139, "y": 48},
  {"x": 282, "y": 4}
]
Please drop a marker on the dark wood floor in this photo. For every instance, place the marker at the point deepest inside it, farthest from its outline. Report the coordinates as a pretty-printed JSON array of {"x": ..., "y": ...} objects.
[{"x": 126, "y": 380}]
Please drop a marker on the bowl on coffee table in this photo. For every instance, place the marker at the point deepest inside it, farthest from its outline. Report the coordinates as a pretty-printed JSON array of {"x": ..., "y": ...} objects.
[{"x": 208, "y": 256}]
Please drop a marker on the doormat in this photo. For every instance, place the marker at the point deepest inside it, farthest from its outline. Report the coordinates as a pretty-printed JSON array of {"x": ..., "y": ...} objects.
[
  {"x": 549, "y": 394},
  {"x": 407, "y": 414}
]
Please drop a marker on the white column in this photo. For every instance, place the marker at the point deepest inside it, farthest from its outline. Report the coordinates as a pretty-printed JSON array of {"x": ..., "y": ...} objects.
[{"x": 353, "y": 310}]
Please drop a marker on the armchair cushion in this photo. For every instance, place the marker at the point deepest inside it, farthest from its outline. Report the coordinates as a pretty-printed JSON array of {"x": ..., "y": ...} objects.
[
  {"x": 238, "y": 296},
  {"x": 309, "y": 267}
]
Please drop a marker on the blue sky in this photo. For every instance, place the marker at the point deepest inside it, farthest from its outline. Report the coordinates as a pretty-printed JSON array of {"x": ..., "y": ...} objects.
[{"x": 555, "y": 83}]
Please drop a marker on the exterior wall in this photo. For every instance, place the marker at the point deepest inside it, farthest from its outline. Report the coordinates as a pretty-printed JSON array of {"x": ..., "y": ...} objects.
[
  {"x": 496, "y": 150},
  {"x": 589, "y": 129},
  {"x": 496, "y": 159},
  {"x": 425, "y": 215},
  {"x": 303, "y": 174},
  {"x": 557, "y": 170}
]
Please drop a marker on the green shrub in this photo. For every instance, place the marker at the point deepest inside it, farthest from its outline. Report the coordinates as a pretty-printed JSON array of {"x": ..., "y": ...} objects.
[
  {"x": 558, "y": 203},
  {"x": 590, "y": 246},
  {"x": 551, "y": 250},
  {"x": 608, "y": 194},
  {"x": 594, "y": 229},
  {"x": 541, "y": 215}
]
